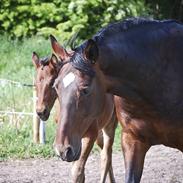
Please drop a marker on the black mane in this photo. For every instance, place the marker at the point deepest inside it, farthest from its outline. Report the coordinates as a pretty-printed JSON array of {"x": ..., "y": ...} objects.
[
  {"x": 81, "y": 64},
  {"x": 127, "y": 24}
]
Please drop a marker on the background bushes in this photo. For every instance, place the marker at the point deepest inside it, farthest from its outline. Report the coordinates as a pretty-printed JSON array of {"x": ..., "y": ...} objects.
[{"x": 63, "y": 18}]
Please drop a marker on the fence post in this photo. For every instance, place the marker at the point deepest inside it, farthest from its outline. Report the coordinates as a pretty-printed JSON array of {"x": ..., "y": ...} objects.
[
  {"x": 36, "y": 119},
  {"x": 42, "y": 134}
]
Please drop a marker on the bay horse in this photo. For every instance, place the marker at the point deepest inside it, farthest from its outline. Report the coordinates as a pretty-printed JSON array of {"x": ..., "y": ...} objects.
[
  {"x": 101, "y": 129},
  {"x": 46, "y": 73},
  {"x": 141, "y": 61}
]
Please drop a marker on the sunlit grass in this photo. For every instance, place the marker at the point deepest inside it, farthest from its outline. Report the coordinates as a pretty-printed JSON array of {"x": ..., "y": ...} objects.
[{"x": 18, "y": 143}]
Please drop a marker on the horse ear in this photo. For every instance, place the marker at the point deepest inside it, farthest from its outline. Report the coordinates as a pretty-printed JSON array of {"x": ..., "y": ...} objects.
[
  {"x": 35, "y": 59},
  {"x": 57, "y": 48},
  {"x": 54, "y": 60},
  {"x": 91, "y": 51}
]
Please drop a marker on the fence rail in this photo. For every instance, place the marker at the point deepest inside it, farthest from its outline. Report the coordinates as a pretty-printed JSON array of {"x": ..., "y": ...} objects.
[
  {"x": 6, "y": 81},
  {"x": 20, "y": 113},
  {"x": 38, "y": 125}
]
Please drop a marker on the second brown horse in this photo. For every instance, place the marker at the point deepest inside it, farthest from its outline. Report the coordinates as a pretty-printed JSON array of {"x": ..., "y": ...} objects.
[{"x": 97, "y": 123}]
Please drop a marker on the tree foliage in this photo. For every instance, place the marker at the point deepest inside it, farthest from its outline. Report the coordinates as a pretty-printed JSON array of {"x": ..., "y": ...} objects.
[
  {"x": 166, "y": 8},
  {"x": 63, "y": 18},
  {"x": 22, "y": 18}
]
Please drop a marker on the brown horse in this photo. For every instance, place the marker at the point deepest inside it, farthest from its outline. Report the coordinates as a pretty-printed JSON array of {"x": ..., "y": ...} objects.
[
  {"x": 46, "y": 72},
  {"x": 141, "y": 61}
]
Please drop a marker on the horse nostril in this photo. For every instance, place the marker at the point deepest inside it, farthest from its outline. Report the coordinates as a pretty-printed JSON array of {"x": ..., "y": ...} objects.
[
  {"x": 44, "y": 112},
  {"x": 68, "y": 151},
  {"x": 66, "y": 155},
  {"x": 69, "y": 155},
  {"x": 39, "y": 113}
]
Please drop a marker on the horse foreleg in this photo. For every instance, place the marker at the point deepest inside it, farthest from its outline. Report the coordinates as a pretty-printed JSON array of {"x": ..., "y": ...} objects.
[
  {"x": 106, "y": 154},
  {"x": 88, "y": 140},
  {"x": 134, "y": 153},
  {"x": 99, "y": 142}
]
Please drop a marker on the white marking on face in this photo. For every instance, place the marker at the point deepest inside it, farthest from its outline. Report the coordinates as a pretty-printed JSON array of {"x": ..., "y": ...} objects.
[{"x": 68, "y": 79}]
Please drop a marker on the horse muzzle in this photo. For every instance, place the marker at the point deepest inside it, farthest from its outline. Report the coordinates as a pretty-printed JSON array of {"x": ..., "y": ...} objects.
[
  {"x": 67, "y": 154},
  {"x": 43, "y": 114}
]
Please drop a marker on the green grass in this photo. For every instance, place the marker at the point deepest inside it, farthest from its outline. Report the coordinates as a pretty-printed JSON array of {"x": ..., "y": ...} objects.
[
  {"x": 18, "y": 143},
  {"x": 16, "y": 64},
  {"x": 117, "y": 140}
]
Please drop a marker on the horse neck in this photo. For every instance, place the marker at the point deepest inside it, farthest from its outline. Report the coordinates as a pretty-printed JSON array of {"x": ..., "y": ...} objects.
[
  {"x": 122, "y": 60},
  {"x": 100, "y": 78},
  {"x": 108, "y": 99}
]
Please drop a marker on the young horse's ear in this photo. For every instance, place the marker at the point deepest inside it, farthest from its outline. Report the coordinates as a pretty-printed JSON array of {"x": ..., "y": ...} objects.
[
  {"x": 91, "y": 51},
  {"x": 35, "y": 59},
  {"x": 54, "y": 61},
  {"x": 57, "y": 48}
]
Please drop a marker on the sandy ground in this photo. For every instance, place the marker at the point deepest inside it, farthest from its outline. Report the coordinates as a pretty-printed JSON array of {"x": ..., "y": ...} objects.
[{"x": 162, "y": 165}]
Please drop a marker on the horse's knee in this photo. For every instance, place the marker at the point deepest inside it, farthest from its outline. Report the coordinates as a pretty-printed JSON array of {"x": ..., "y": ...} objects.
[{"x": 134, "y": 146}]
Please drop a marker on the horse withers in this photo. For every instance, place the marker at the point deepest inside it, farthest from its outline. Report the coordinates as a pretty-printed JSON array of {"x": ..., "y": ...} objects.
[
  {"x": 141, "y": 61},
  {"x": 46, "y": 73}
]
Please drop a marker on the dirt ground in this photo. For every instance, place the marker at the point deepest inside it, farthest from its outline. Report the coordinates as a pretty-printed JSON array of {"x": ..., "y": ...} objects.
[{"x": 162, "y": 165}]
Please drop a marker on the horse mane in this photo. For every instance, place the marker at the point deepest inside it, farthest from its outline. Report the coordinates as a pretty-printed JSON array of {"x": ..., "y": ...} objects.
[
  {"x": 81, "y": 64},
  {"x": 84, "y": 66},
  {"x": 127, "y": 24}
]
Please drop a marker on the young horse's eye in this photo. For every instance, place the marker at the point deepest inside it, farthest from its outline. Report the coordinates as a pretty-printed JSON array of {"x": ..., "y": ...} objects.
[{"x": 41, "y": 80}]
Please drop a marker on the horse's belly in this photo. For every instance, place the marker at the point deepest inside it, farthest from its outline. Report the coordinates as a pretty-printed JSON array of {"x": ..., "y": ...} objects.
[
  {"x": 172, "y": 136},
  {"x": 155, "y": 132},
  {"x": 149, "y": 127}
]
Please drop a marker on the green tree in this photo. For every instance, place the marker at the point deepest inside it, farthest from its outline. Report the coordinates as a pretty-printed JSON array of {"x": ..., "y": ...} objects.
[
  {"x": 20, "y": 18},
  {"x": 169, "y": 9}
]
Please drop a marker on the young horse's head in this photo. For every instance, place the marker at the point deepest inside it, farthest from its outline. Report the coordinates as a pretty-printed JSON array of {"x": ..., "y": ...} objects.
[
  {"x": 81, "y": 96},
  {"x": 46, "y": 73}
]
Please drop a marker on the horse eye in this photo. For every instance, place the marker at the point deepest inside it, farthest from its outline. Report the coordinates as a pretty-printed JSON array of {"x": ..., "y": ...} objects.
[
  {"x": 85, "y": 91},
  {"x": 54, "y": 85},
  {"x": 51, "y": 84}
]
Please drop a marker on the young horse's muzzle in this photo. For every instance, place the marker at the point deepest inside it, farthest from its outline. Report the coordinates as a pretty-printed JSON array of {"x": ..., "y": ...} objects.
[{"x": 43, "y": 113}]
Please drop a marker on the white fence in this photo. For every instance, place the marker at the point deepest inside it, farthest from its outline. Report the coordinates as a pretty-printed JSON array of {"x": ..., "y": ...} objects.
[{"x": 9, "y": 89}]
